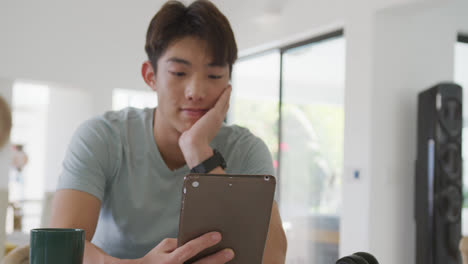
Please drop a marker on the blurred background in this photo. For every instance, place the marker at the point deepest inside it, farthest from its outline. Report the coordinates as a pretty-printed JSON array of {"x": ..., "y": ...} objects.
[{"x": 330, "y": 86}]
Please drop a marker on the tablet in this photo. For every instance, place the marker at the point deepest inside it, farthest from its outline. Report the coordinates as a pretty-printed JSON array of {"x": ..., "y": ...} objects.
[{"x": 237, "y": 206}]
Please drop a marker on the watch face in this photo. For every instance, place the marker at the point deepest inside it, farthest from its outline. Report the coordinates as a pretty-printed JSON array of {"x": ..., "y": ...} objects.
[
  {"x": 199, "y": 169},
  {"x": 219, "y": 160}
]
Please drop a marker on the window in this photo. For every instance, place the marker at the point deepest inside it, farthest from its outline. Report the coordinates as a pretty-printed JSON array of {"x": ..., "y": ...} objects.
[
  {"x": 293, "y": 98},
  {"x": 122, "y": 98},
  {"x": 255, "y": 98}
]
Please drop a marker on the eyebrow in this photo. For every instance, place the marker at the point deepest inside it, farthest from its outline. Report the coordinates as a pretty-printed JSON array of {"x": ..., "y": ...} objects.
[
  {"x": 179, "y": 60},
  {"x": 188, "y": 63}
]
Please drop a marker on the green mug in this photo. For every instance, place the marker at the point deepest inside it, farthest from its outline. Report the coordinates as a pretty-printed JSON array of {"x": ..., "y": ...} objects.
[{"x": 56, "y": 246}]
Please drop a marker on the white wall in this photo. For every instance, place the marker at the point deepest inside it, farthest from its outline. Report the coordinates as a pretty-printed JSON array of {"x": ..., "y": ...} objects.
[
  {"x": 87, "y": 44},
  {"x": 412, "y": 49},
  {"x": 407, "y": 59},
  {"x": 355, "y": 215}
]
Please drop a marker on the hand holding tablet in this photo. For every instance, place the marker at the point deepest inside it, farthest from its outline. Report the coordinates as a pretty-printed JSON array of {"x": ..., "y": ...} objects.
[{"x": 237, "y": 206}]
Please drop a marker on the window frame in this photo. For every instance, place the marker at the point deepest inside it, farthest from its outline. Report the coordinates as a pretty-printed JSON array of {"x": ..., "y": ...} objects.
[{"x": 283, "y": 49}]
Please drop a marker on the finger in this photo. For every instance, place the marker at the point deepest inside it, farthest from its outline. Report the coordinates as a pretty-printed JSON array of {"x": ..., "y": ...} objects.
[
  {"x": 219, "y": 110},
  {"x": 167, "y": 245},
  {"x": 221, "y": 256},
  {"x": 226, "y": 104},
  {"x": 195, "y": 246},
  {"x": 222, "y": 104},
  {"x": 224, "y": 98}
]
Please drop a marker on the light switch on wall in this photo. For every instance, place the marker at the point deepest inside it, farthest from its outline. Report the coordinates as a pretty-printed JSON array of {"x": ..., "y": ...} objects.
[{"x": 353, "y": 174}]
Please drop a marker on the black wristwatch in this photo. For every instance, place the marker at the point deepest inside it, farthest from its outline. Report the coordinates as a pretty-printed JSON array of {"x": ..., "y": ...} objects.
[{"x": 210, "y": 164}]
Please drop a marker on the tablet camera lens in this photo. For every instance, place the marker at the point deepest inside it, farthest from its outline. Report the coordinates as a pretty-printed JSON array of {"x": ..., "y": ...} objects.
[
  {"x": 195, "y": 184},
  {"x": 267, "y": 178}
]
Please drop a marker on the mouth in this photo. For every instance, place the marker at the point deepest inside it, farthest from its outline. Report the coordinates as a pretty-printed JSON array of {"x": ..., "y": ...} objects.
[{"x": 194, "y": 112}]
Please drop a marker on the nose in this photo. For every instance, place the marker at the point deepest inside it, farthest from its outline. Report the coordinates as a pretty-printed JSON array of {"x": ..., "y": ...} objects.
[{"x": 196, "y": 90}]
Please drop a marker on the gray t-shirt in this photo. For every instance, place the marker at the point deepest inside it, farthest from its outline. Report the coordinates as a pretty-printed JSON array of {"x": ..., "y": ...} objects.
[{"x": 115, "y": 158}]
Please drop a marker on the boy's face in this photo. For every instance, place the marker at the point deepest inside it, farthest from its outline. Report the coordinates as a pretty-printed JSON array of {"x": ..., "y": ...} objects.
[{"x": 187, "y": 83}]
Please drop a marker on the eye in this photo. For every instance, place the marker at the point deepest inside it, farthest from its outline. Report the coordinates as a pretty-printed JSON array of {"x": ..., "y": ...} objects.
[
  {"x": 215, "y": 76},
  {"x": 178, "y": 74}
]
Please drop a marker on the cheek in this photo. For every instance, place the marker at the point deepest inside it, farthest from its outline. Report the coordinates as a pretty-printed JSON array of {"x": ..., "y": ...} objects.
[{"x": 169, "y": 91}]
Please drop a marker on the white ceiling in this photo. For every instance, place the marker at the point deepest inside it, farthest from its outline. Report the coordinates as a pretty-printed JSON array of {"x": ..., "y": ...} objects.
[
  {"x": 80, "y": 42},
  {"x": 92, "y": 44}
]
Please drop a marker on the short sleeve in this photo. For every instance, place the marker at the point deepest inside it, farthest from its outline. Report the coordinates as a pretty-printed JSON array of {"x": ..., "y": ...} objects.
[
  {"x": 90, "y": 159},
  {"x": 258, "y": 158},
  {"x": 259, "y": 161}
]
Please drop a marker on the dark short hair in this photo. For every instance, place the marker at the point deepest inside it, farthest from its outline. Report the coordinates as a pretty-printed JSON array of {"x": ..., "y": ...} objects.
[{"x": 200, "y": 19}]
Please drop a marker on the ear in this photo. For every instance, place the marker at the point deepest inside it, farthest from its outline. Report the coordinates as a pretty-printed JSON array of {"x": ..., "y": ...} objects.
[{"x": 148, "y": 74}]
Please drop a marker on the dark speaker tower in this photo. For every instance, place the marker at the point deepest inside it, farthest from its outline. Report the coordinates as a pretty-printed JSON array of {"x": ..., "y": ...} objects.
[{"x": 439, "y": 198}]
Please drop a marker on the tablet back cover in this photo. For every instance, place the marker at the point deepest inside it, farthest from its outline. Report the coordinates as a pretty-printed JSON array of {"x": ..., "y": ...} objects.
[{"x": 237, "y": 206}]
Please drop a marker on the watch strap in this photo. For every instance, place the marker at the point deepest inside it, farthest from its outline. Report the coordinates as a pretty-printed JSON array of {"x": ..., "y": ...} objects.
[{"x": 210, "y": 164}]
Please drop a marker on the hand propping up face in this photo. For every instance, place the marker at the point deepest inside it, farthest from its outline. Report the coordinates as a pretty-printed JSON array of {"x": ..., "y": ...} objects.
[{"x": 194, "y": 142}]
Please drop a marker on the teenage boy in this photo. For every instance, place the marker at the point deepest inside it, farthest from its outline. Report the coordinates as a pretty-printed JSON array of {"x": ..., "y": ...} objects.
[{"x": 123, "y": 171}]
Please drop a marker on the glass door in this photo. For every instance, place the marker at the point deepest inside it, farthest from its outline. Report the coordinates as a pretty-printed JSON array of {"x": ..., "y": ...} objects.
[
  {"x": 311, "y": 149},
  {"x": 255, "y": 97}
]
